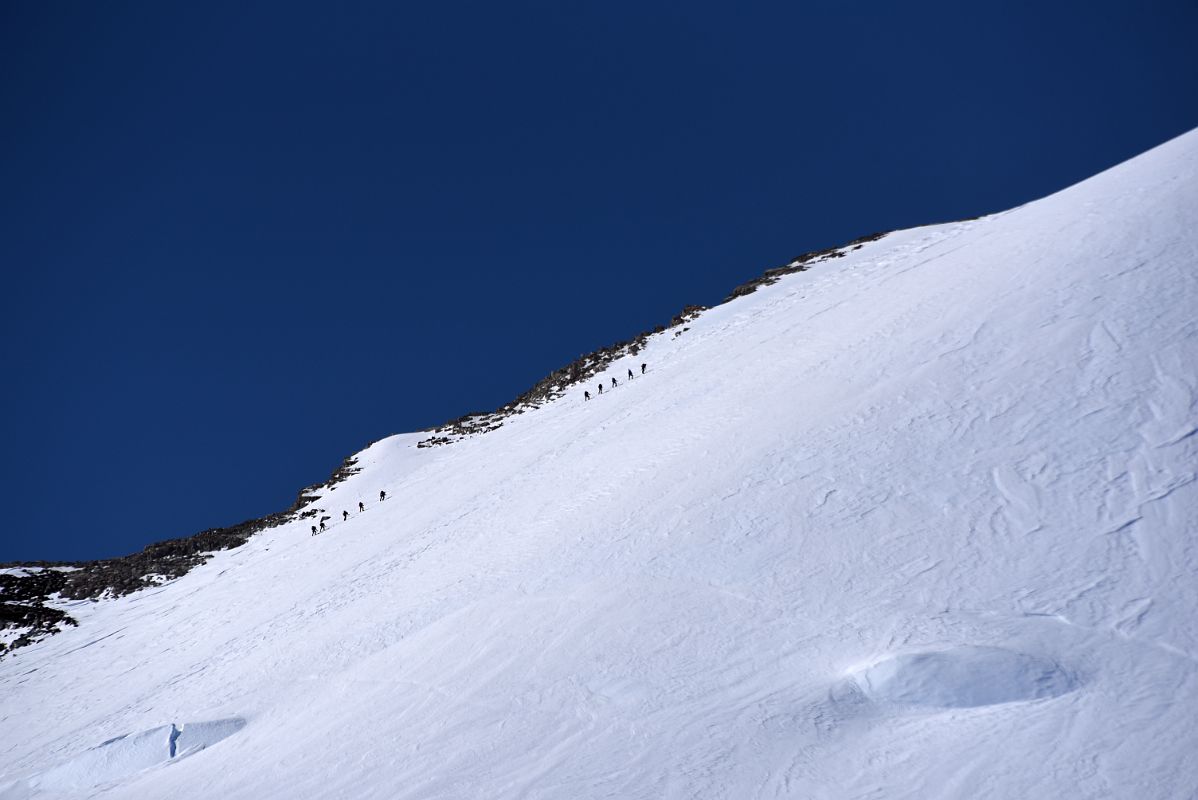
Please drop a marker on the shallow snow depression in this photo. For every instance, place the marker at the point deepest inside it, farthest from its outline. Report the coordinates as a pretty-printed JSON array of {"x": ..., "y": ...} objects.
[
  {"x": 918, "y": 522},
  {"x": 963, "y": 678}
]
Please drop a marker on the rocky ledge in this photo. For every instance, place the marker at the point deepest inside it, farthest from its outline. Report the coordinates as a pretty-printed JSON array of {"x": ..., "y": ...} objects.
[{"x": 28, "y": 588}]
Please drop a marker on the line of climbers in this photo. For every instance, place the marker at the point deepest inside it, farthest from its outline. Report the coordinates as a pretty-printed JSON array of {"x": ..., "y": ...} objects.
[
  {"x": 345, "y": 514},
  {"x": 318, "y": 529},
  {"x": 586, "y": 395}
]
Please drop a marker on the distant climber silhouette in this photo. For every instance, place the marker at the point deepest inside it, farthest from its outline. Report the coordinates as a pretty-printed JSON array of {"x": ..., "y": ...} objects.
[
  {"x": 382, "y": 495},
  {"x": 322, "y": 527},
  {"x": 629, "y": 374},
  {"x": 361, "y": 506},
  {"x": 344, "y": 516},
  {"x": 601, "y": 388},
  {"x": 586, "y": 395},
  {"x": 642, "y": 369},
  {"x": 613, "y": 383},
  {"x": 313, "y": 530}
]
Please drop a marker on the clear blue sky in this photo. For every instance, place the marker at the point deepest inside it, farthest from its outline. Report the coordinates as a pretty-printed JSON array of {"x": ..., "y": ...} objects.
[{"x": 241, "y": 240}]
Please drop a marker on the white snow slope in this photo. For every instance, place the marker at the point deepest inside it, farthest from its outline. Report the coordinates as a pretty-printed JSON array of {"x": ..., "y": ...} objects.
[{"x": 917, "y": 523}]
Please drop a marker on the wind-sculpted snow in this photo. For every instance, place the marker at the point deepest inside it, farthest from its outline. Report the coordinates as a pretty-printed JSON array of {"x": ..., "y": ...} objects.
[
  {"x": 918, "y": 522},
  {"x": 123, "y": 757}
]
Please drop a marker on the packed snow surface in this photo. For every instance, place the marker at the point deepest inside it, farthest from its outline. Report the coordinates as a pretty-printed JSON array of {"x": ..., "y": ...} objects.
[{"x": 917, "y": 523}]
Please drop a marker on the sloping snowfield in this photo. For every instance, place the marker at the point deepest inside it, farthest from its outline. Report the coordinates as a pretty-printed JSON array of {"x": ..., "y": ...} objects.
[{"x": 918, "y": 523}]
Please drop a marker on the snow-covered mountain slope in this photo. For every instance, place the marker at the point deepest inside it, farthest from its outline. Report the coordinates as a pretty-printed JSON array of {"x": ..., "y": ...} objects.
[{"x": 917, "y": 523}]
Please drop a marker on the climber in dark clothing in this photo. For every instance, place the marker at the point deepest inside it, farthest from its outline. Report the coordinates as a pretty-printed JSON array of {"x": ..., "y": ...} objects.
[
  {"x": 629, "y": 374},
  {"x": 586, "y": 395},
  {"x": 382, "y": 495},
  {"x": 361, "y": 506},
  {"x": 322, "y": 527},
  {"x": 313, "y": 530},
  {"x": 613, "y": 383},
  {"x": 344, "y": 516},
  {"x": 601, "y": 388},
  {"x": 642, "y": 369}
]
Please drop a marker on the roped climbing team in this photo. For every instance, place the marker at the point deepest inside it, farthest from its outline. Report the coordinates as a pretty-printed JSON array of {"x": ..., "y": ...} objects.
[
  {"x": 586, "y": 394},
  {"x": 345, "y": 514}
]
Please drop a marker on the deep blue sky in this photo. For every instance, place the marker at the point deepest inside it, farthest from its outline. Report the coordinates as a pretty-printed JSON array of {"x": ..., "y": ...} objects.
[{"x": 240, "y": 240}]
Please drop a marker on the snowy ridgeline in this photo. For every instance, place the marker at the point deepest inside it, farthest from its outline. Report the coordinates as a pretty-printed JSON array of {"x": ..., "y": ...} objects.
[
  {"x": 32, "y": 596},
  {"x": 917, "y": 523}
]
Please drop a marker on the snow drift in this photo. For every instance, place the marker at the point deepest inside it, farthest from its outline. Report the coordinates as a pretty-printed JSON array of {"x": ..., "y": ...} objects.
[{"x": 919, "y": 522}]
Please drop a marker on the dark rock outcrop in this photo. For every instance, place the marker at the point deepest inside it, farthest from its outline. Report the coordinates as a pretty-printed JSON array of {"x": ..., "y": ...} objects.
[
  {"x": 27, "y": 588},
  {"x": 801, "y": 263}
]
